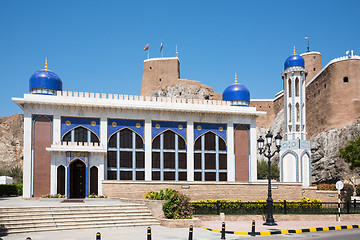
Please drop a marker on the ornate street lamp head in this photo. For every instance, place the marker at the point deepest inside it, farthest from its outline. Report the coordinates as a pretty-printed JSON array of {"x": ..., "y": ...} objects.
[
  {"x": 268, "y": 138},
  {"x": 260, "y": 142},
  {"x": 278, "y": 138}
]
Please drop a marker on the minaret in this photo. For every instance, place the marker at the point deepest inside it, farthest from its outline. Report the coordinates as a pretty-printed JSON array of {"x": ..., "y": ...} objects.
[
  {"x": 294, "y": 77},
  {"x": 295, "y": 156}
]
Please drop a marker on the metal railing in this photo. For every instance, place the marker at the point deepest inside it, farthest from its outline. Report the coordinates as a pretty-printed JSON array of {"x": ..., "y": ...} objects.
[{"x": 280, "y": 207}]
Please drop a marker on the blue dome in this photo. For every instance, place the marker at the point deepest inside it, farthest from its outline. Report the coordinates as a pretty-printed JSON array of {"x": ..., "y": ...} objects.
[
  {"x": 294, "y": 60},
  {"x": 238, "y": 94},
  {"x": 45, "y": 80}
]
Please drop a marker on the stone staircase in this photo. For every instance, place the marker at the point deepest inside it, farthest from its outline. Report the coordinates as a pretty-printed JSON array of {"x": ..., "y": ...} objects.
[{"x": 54, "y": 218}]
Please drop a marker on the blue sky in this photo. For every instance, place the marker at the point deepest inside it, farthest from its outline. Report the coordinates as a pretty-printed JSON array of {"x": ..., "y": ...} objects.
[{"x": 97, "y": 46}]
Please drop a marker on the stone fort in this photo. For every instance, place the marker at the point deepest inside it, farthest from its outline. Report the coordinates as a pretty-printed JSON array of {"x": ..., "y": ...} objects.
[{"x": 332, "y": 91}]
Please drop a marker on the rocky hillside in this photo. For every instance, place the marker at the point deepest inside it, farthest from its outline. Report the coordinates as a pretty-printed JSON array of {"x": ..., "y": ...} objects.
[
  {"x": 186, "y": 91},
  {"x": 326, "y": 164},
  {"x": 11, "y": 141}
]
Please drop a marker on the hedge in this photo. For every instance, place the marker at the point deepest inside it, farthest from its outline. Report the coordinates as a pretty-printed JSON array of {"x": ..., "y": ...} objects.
[{"x": 11, "y": 189}]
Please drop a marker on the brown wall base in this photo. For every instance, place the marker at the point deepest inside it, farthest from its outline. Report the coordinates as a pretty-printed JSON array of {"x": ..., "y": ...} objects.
[{"x": 215, "y": 190}]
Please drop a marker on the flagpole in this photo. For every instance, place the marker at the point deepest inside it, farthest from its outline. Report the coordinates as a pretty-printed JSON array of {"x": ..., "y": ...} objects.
[
  {"x": 308, "y": 47},
  {"x": 148, "y": 53}
]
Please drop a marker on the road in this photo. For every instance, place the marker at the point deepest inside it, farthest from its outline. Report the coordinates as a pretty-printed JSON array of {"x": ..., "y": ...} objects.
[{"x": 162, "y": 233}]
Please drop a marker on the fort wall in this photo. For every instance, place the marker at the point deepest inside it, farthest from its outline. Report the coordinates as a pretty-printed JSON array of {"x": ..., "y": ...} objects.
[{"x": 333, "y": 97}]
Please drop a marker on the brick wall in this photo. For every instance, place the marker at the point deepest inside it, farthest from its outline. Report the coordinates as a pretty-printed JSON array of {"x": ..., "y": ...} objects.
[{"x": 210, "y": 190}]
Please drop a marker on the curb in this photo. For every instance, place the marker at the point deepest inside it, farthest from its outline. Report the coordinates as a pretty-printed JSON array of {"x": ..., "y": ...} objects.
[{"x": 319, "y": 229}]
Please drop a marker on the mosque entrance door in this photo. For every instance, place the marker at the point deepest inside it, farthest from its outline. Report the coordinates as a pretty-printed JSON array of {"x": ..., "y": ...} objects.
[{"x": 77, "y": 179}]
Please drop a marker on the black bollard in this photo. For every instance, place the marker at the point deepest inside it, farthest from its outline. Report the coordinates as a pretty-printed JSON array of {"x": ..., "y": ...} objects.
[
  {"x": 191, "y": 232},
  {"x": 253, "y": 228},
  {"x": 149, "y": 233},
  {"x": 98, "y": 236},
  {"x": 223, "y": 231}
]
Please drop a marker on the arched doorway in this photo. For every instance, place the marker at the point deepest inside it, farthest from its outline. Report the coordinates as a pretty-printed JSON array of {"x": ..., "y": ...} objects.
[
  {"x": 77, "y": 179},
  {"x": 61, "y": 180},
  {"x": 94, "y": 180}
]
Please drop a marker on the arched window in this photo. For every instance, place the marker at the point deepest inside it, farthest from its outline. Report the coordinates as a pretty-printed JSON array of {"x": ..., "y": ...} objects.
[
  {"x": 289, "y": 87},
  {"x": 125, "y": 158},
  {"x": 94, "y": 180},
  {"x": 169, "y": 160},
  {"x": 297, "y": 112},
  {"x": 61, "y": 180},
  {"x": 210, "y": 158},
  {"x": 80, "y": 134},
  {"x": 297, "y": 88},
  {"x": 289, "y": 114}
]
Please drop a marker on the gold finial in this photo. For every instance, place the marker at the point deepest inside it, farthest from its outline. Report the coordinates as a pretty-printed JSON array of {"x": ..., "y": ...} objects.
[
  {"x": 46, "y": 66},
  {"x": 235, "y": 78},
  {"x": 294, "y": 51}
]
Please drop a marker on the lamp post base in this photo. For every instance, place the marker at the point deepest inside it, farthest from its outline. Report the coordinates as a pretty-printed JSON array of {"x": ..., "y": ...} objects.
[{"x": 270, "y": 223}]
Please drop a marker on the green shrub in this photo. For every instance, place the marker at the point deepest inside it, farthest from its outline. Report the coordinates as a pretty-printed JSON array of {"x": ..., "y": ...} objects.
[
  {"x": 263, "y": 169},
  {"x": 358, "y": 190},
  {"x": 225, "y": 204},
  {"x": 11, "y": 189},
  {"x": 347, "y": 192},
  {"x": 177, "y": 205}
]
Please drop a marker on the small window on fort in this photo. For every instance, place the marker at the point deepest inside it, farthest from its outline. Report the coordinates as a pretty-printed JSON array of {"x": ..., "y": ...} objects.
[
  {"x": 159, "y": 79},
  {"x": 324, "y": 85},
  {"x": 269, "y": 106},
  {"x": 150, "y": 67},
  {"x": 346, "y": 79},
  {"x": 260, "y": 106},
  {"x": 314, "y": 69}
]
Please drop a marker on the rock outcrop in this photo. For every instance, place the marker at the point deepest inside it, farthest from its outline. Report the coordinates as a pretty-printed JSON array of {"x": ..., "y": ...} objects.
[
  {"x": 186, "y": 91},
  {"x": 11, "y": 141},
  {"x": 326, "y": 165}
]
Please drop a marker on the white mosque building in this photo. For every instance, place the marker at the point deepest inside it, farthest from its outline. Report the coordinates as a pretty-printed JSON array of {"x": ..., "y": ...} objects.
[{"x": 75, "y": 140}]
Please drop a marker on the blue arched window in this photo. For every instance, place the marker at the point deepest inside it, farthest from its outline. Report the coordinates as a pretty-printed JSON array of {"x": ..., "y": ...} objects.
[
  {"x": 169, "y": 160},
  {"x": 210, "y": 158},
  {"x": 80, "y": 134},
  {"x": 125, "y": 158}
]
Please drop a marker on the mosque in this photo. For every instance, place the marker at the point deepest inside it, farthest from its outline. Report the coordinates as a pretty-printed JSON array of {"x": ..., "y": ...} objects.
[{"x": 76, "y": 141}]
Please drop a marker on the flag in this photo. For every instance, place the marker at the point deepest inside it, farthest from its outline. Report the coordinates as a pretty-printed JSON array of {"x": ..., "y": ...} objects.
[
  {"x": 307, "y": 38},
  {"x": 161, "y": 46},
  {"x": 146, "y": 47}
]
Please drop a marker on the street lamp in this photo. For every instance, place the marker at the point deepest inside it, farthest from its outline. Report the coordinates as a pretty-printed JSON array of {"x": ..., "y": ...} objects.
[{"x": 262, "y": 150}]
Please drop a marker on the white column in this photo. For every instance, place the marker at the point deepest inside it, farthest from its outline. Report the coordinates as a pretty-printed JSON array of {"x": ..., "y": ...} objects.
[
  {"x": 27, "y": 171},
  {"x": 56, "y": 128},
  {"x": 101, "y": 172},
  {"x": 253, "y": 155},
  {"x": 190, "y": 150},
  {"x": 230, "y": 151},
  {"x": 53, "y": 174},
  {"x": 147, "y": 137},
  {"x": 102, "y": 169}
]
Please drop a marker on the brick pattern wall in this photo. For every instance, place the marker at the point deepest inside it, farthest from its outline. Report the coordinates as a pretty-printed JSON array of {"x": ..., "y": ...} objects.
[
  {"x": 42, "y": 140},
  {"x": 212, "y": 190}
]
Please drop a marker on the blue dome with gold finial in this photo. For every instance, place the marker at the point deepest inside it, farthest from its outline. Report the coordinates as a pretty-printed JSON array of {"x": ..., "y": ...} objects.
[
  {"x": 294, "y": 60},
  {"x": 237, "y": 94},
  {"x": 45, "y": 82}
]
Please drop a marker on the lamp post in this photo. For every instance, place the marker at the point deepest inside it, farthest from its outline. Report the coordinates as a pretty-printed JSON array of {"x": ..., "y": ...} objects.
[{"x": 265, "y": 150}]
